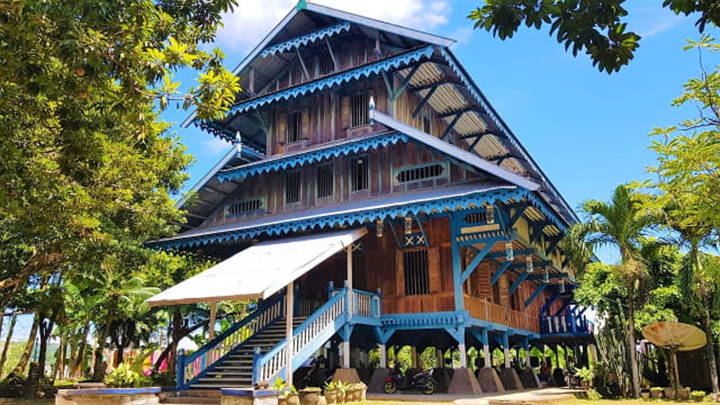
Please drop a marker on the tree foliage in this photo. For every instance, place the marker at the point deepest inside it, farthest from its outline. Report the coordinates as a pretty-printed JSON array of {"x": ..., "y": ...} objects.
[{"x": 597, "y": 28}]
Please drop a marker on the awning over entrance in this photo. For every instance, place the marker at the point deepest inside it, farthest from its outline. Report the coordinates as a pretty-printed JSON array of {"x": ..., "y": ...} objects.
[{"x": 258, "y": 271}]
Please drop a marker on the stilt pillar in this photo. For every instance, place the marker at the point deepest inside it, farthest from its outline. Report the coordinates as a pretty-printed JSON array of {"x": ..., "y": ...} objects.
[
  {"x": 289, "y": 311},
  {"x": 440, "y": 357},
  {"x": 506, "y": 349},
  {"x": 383, "y": 356}
]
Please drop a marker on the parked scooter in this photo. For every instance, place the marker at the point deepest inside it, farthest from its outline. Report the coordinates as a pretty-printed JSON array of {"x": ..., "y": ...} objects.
[{"x": 422, "y": 381}]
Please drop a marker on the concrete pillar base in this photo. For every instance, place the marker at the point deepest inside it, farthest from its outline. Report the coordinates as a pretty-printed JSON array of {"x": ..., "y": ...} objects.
[
  {"x": 442, "y": 376},
  {"x": 377, "y": 381},
  {"x": 489, "y": 380},
  {"x": 464, "y": 383},
  {"x": 529, "y": 379},
  {"x": 348, "y": 375},
  {"x": 510, "y": 379}
]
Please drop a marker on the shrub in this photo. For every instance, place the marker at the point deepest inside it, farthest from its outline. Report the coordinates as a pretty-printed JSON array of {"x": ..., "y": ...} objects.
[
  {"x": 656, "y": 389},
  {"x": 124, "y": 377}
]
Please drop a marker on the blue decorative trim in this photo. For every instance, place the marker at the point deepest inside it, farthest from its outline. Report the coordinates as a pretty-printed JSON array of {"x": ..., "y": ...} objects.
[
  {"x": 334, "y": 80},
  {"x": 305, "y": 39},
  {"x": 351, "y": 218},
  {"x": 333, "y": 151}
]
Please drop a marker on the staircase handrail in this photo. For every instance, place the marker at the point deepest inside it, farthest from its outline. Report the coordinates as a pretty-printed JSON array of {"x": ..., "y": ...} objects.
[
  {"x": 265, "y": 314},
  {"x": 275, "y": 357}
]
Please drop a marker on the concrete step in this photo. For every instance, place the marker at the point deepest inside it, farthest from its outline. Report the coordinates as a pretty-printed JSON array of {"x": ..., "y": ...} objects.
[{"x": 190, "y": 400}]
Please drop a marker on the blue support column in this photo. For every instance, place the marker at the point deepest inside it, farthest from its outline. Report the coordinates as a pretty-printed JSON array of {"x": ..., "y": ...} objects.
[
  {"x": 256, "y": 365},
  {"x": 545, "y": 308},
  {"x": 180, "y": 368}
]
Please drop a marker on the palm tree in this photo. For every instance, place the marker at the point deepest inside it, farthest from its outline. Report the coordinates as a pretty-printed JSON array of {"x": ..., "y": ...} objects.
[
  {"x": 622, "y": 223},
  {"x": 699, "y": 277}
]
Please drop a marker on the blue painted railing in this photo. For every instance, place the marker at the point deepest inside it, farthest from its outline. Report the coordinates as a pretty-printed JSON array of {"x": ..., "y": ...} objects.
[
  {"x": 565, "y": 324},
  {"x": 191, "y": 368}
]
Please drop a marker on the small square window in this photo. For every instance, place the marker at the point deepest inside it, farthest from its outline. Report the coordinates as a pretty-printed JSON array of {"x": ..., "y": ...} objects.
[
  {"x": 294, "y": 127},
  {"x": 292, "y": 187},
  {"x": 359, "y": 173},
  {"x": 325, "y": 180}
]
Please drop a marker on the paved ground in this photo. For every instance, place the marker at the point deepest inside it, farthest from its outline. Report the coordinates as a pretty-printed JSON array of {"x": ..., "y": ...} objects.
[{"x": 536, "y": 396}]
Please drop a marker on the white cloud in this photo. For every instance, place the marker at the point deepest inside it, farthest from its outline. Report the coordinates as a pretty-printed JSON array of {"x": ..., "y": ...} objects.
[
  {"x": 253, "y": 19},
  {"x": 215, "y": 145},
  {"x": 661, "y": 23}
]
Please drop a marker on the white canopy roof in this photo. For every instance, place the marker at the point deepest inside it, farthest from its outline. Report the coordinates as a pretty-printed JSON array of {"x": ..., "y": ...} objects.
[{"x": 258, "y": 271}]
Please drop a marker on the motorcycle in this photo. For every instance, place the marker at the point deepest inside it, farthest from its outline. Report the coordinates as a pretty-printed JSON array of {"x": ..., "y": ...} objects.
[
  {"x": 422, "y": 381},
  {"x": 572, "y": 380}
]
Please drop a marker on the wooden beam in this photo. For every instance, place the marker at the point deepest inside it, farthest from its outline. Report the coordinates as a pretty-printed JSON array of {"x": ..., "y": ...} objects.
[
  {"x": 424, "y": 101},
  {"x": 535, "y": 294},
  {"x": 405, "y": 82},
  {"x": 461, "y": 111},
  {"x": 537, "y": 230},
  {"x": 476, "y": 260},
  {"x": 451, "y": 125},
  {"x": 499, "y": 159},
  {"x": 332, "y": 55},
  {"x": 500, "y": 272},
  {"x": 519, "y": 281},
  {"x": 302, "y": 63},
  {"x": 430, "y": 85}
]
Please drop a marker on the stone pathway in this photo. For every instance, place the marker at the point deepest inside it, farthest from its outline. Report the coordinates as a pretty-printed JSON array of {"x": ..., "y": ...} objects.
[{"x": 533, "y": 396}]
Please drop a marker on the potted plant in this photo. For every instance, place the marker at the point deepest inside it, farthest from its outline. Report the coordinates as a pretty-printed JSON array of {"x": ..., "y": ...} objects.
[
  {"x": 683, "y": 394},
  {"x": 698, "y": 396},
  {"x": 656, "y": 392},
  {"x": 332, "y": 391},
  {"x": 586, "y": 376},
  {"x": 288, "y": 396},
  {"x": 309, "y": 395},
  {"x": 353, "y": 392},
  {"x": 669, "y": 393},
  {"x": 645, "y": 395},
  {"x": 361, "y": 391}
]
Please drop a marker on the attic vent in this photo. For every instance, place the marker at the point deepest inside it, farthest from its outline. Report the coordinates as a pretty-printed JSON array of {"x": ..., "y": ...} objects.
[
  {"x": 241, "y": 207},
  {"x": 476, "y": 218},
  {"x": 418, "y": 173}
]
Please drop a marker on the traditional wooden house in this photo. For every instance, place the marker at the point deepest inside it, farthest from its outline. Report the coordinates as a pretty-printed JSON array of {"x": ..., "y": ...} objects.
[{"x": 372, "y": 198}]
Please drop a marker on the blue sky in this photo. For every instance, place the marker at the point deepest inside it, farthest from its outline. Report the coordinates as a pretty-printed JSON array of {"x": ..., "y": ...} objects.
[{"x": 587, "y": 130}]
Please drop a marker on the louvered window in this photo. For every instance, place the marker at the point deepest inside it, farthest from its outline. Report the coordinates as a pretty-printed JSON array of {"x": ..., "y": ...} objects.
[
  {"x": 418, "y": 173},
  {"x": 294, "y": 127},
  {"x": 325, "y": 180},
  {"x": 359, "y": 106},
  {"x": 359, "y": 173},
  {"x": 417, "y": 278},
  {"x": 292, "y": 186},
  {"x": 244, "y": 206}
]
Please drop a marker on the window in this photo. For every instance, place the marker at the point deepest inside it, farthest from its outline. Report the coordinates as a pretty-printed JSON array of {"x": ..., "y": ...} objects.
[
  {"x": 418, "y": 173},
  {"x": 325, "y": 180},
  {"x": 417, "y": 279},
  {"x": 359, "y": 107},
  {"x": 294, "y": 127},
  {"x": 240, "y": 207},
  {"x": 359, "y": 173},
  {"x": 515, "y": 300},
  {"x": 292, "y": 187},
  {"x": 427, "y": 123}
]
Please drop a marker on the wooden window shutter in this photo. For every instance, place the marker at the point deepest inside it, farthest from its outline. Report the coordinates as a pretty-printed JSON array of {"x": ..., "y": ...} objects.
[
  {"x": 305, "y": 123},
  {"x": 434, "y": 269},
  {"x": 345, "y": 112},
  {"x": 400, "y": 272},
  {"x": 281, "y": 134}
]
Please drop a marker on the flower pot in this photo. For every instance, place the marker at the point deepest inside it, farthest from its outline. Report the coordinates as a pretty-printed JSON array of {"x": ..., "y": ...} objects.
[
  {"x": 698, "y": 398},
  {"x": 309, "y": 397},
  {"x": 656, "y": 394},
  {"x": 352, "y": 395},
  {"x": 585, "y": 385},
  {"x": 645, "y": 395},
  {"x": 683, "y": 394},
  {"x": 293, "y": 399},
  {"x": 331, "y": 397},
  {"x": 669, "y": 393}
]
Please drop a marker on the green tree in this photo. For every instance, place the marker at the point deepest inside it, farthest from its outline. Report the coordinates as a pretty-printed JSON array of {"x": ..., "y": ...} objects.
[
  {"x": 623, "y": 223},
  {"x": 87, "y": 166},
  {"x": 597, "y": 28}
]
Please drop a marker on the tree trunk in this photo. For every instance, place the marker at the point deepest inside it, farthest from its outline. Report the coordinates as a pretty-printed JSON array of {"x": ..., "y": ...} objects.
[
  {"x": 710, "y": 348},
  {"x": 99, "y": 369},
  {"x": 177, "y": 335},
  {"x": 3, "y": 357},
  {"x": 22, "y": 364},
  {"x": 45, "y": 330},
  {"x": 59, "y": 373},
  {"x": 634, "y": 372},
  {"x": 77, "y": 365}
]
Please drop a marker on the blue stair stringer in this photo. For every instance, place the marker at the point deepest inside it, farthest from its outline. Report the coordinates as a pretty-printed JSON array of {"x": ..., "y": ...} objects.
[{"x": 254, "y": 324}]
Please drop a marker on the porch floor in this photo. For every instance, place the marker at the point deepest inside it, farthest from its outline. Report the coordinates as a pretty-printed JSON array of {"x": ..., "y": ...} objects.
[{"x": 531, "y": 396}]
